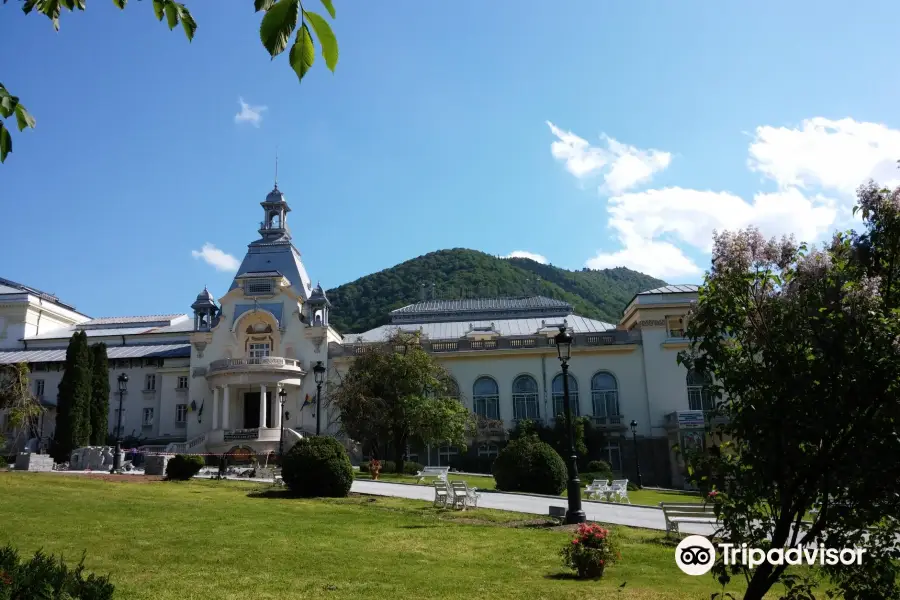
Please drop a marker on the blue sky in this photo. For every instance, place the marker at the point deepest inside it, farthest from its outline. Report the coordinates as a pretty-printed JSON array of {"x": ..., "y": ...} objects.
[{"x": 594, "y": 133}]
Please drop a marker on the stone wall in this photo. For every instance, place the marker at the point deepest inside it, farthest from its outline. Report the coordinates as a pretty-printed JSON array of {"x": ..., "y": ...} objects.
[
  {"x": 156, "y": 464},
  {"x": 26, "y": 461}
]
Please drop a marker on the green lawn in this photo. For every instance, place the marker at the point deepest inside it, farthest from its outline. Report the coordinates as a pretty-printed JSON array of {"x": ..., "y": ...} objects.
[
  {"x": 641, "y": 497},
  {"x": 210, "y": 539}
]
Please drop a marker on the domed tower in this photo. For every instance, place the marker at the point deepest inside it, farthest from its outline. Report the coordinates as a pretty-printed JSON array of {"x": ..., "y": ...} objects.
[
  {"x": 318, "y": 305},
  {"x": 275, "y": 208},
  {"x": 205, "y": 311}
]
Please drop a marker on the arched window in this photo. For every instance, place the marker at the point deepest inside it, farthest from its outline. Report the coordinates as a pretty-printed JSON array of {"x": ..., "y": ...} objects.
[
  {"x": 486, "y": 398},
  {"x": 605, "y": 398},
  {"x": 699, "y": 396},
  {"x": 558, "y": 396},
  {"x": 525, "y": 398}
]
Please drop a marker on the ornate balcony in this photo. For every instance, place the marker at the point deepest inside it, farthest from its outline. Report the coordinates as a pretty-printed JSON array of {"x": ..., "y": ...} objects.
[
  {"x": 612, "y": 422},
  {"x": 269, "y": 363}
]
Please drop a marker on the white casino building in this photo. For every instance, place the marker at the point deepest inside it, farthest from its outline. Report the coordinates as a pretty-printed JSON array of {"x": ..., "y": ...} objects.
[{"x": 210, "y": 381}]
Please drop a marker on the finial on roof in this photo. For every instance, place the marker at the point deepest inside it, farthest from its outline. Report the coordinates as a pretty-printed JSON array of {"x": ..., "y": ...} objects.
[{"x": 276, "y": 167}]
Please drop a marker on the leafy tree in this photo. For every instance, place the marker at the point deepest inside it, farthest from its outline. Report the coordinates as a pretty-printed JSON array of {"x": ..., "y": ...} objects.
[
  {"x": 460, "y": 273},
  {"x": 22, "y": 408},
  {"x": 279, "y": 22},
  {"x": 99, "y": 408},
  {"x": 802, "y": 349},
  {"x": 588, "y": 439},
  {"x": 73, "y": 426},
  {"x": 395, "y": 392}
]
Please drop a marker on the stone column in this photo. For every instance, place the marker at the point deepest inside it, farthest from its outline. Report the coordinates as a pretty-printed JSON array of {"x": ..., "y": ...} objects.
[
  {"x": 278, "y": 408},
  {"x": 263, "y": 405},
  {"x": 215, "y": 414},
  {"x": 226, "y": 423}
]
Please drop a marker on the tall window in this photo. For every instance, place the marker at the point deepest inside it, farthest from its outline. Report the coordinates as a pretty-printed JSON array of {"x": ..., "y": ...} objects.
[
  {"x": 525, "y": 397},
  {"x": 558, "y": 396},
  {"x": 182, "y": 382},
  {"x": 150, "y": 382},
  {"x": 446, "y": 454},
  {"x": 675, "y": 326},
  {"x": 259, "y": 350},
  {"x": 486, "y": 398},
  {"x": 181, "y": 413},
  {"x": 147, "y": 421},
  {"x": 699, "y": 397},
  {"x": 488, "y": 451},
  {"x": 38, "y": 387},
  {"x": 605, "y": 395}
]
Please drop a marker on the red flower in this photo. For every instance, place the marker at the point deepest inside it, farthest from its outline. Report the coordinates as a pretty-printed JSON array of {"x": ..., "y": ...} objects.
[
  {"x": 574, "y": 541},
  {"x": 5, "y": 578}
]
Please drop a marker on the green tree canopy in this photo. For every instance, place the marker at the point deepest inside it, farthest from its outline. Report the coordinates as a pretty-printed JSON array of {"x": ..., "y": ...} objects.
[
  {"x": 21, "y": 407},
  {"x": 802, "y": 347},
  {"x": 281, "y": 19},
  {"x": 395, "y": 392},
  {"x": 73, "y": 425},
  {"x": 99, "y": 408}
]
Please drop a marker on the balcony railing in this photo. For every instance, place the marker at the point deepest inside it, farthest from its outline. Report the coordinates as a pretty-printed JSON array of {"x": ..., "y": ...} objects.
[
  {"x": 251, "y": 364},
  {"x": 234, "y": 435},
  {"x": 608, "y": 421}
]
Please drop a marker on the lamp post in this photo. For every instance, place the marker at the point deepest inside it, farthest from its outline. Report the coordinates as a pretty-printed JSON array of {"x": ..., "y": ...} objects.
[
  {"x": 564, "y": 348},
  {"x": 282, "y": 396},
  {"x": 637, "y": 460},
  {"x": 319, "y": 373},
  {"x": 123, "y": 387}
]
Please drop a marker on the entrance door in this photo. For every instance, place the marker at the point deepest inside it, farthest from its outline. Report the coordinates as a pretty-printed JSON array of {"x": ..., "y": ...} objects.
[{"x": 251, "y": 410}]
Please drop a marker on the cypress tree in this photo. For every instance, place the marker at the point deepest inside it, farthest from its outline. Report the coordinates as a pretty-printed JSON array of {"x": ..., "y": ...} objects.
[
  {"x": 72, "y": 424},
  {"x": 99, "y": 395}
]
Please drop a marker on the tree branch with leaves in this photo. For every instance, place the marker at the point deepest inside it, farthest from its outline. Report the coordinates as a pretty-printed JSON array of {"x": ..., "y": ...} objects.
[{"x": 279, "y": 23}]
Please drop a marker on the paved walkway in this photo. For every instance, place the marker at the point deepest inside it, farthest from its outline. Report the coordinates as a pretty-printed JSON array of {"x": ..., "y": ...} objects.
[{"x": 618, "y": 514}]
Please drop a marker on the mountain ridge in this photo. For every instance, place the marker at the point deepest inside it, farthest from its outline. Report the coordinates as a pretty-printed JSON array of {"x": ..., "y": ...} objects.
[{"x": 366, "y": 302}]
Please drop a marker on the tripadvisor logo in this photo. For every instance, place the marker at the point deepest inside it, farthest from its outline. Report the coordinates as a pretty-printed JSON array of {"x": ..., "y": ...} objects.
[{"x": 696, "y": 555}]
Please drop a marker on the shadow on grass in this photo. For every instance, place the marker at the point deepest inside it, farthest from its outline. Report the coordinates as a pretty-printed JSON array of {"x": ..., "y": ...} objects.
[
  {"x": 279, "y": 493},
  {"x": 562, "y": 576}
]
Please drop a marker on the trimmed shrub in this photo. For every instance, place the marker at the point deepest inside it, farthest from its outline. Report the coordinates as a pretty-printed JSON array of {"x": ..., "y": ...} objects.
[
  {"x": 530, "y": 465},
  {"x": 3, "y": 463},
  {"x": 45, "y": 576},
  {"x": 182, "y": 467},
  {"x": 599, "y": 466},
  {"x": 388, "y": 466},
  {"x": 318, "y": 467},
  {"x": 632, "y": 487},
  {"x": 364, "y": 467},
  {"x": 411, "y": 468}
]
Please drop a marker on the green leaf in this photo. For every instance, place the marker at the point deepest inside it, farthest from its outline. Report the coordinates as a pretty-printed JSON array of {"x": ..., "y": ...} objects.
[
  {"x": 69, "y": 4},
  {"x": 5, "y": 142},
  {"x": 259, "y": 5},
  {"x": 7, "y": 105},
  {"x": 171, "y": 15},
  {"x": 329, "y": 7},
  {"x": 24, "y": 118},
  {"x": 187, "y": 22},
  {"x": 326, "y": 39},
  {"x": 120, "y": 3},
  {"x": 303, "y": 53},
  {"x": 278, "y": 24},
  {"x": 159, "y": 9},
  {"x": 51, "y": 8},
  {"x": 29, "y": 6}
]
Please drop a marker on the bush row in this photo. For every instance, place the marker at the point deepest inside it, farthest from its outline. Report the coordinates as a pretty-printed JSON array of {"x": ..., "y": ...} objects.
[{"x": 45, "y": 576}]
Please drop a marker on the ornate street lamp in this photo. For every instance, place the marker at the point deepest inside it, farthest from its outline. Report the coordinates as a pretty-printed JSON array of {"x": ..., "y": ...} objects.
[
  {"x": 282, "y": 397},
  {"x": 564, "y": 348},
  {"x": 117, "y": 460},
  {"x": 637, "y": 460},
  {"x": 319, "y": 373}
]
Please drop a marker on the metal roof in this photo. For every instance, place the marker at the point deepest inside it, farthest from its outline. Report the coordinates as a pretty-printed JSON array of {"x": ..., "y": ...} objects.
[
  {"x": 672, "y": 289},
  {"x": 112, "y": 352},
  {"x": 482, "y": 304},
  {"x": 142, "y": 320},
  {"x": 252, "y": 274},
  {"x": 453, "y": 330},
  {"x": 276, "y": 257},
  {"x": 7, "y": 286}
]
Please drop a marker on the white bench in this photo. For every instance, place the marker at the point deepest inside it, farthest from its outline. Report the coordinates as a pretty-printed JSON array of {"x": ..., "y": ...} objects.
[
  {"x": 439, "y": 472},
  {"x": 463, "y": 495},
  {"x": 442, "y": 493},
  {"x": 683, "y": 512}
]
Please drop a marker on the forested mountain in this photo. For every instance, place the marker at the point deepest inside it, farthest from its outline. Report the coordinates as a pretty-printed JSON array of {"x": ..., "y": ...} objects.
[{"x": 460, "y": 273}]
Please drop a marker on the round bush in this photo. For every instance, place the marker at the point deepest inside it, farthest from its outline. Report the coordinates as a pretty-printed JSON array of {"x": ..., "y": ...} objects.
[
  {"x": 388, "y": 466},
  {"x": 318, "y": 467},
  {"x": 182, "y": 467},
  {"x": 412, "y": 468},
  {"x": 599, "y": 466},
  {"x": 530, "y": 465}
]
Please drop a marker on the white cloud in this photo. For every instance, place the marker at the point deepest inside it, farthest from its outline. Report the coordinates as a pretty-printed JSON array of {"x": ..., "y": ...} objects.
[
  {"x": 815, "y": 167},
  {"x": 249, "y": 114},
  {"x": 621, "y": 165},
  {"x": 524, "y": 254},
  {"x": 222, "y": 261}
]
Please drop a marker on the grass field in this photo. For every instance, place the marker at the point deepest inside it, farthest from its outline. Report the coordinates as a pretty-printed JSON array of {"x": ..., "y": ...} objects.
[
  {"x": 209, "y": 539},
  {"x": 642, "y": 497}
]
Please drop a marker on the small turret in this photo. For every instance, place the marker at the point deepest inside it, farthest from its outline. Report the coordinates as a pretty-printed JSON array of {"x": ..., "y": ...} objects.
[
  {"x": 319, "y": 305},
  {"x": 205, "y": 311}
]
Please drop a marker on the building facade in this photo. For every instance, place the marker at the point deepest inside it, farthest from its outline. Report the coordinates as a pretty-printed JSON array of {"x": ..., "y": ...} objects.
[{"x": 236, "y": 371}]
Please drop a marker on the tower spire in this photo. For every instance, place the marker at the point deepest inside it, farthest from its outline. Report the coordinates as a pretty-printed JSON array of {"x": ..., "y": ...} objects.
[{"x": 276, "y": 167}]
